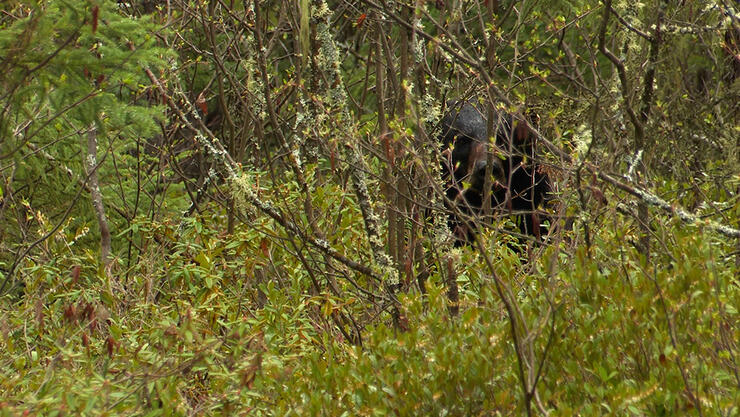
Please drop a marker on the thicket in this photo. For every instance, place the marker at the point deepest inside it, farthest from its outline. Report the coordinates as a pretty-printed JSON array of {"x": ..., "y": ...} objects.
[{"x": 229, "y": 208}]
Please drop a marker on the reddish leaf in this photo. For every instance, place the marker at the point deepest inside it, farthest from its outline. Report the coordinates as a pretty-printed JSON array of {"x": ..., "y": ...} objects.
[
  {"x": 361, "y": 19},
  {"x": 201, "y": 103},
  {"x": 70, "y": 313},
  {"x": 599, "y": 195},
  {"x": 40, "y": 315},
  {"x": 95, "y": 12},
  {"x": 408, "y": 269},
  {"x": 75, "y": 274},
  {"x": 110, "y": 344}
]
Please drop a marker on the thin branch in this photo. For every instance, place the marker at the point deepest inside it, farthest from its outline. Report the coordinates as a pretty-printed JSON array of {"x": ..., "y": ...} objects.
[
  {"x": 59, "y": 224},
  {"x": 97, "y": 197},
  {"x": 622, "y": 73},
  {"x": 206, "y": 138}
]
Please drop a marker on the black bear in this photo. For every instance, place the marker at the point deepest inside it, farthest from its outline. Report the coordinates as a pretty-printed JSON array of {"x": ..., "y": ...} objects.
[{"x": 518, "y": 184}]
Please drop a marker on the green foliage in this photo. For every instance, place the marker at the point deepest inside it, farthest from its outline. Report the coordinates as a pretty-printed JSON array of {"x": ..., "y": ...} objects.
[
  {"x": 82, "y": 57},
  {"x": 196, "y": 327},
  {"x": 69, "y": 66},
  {"x": 216, "y": 305},
  {"x": 410, "y": 373}
]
